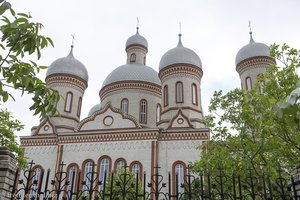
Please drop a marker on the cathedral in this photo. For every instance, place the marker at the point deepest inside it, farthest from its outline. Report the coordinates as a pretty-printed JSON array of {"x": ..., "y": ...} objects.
[{"x": 145, "y": 120}]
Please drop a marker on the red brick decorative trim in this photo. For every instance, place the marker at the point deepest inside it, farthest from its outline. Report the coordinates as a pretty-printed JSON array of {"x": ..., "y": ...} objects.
[
  {"x": 67, "y": 78},
  {"x": 104, "y": 136},
  {"x": 254, "y": 62},
  {"x": 136, "y": 46},
  {"x": 182, "y": 108},
  {"x": 185, "y": 117},
  {"x": 180, "y": 68},
  {"x": 44, "y": 121}
]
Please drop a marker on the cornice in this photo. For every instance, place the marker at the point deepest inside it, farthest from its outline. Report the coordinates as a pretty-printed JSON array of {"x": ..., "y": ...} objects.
[
  {"x": 67, "y": 78},
  {"x": 182, "y": 108},
  {"x": 123, "y": 85},
  {"x": 136, "y": 46},
  {"x": 180, "y": 68},
  {"x": 69, "y": 138},
  {"x": 254, "y": 62}
]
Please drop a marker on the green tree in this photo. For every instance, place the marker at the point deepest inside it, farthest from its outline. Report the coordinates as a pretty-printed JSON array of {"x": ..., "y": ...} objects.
[
  {"x": 256, "y": 130},
  {"x": 20, "y": 37},
  {"x": 123, "y": 185}
]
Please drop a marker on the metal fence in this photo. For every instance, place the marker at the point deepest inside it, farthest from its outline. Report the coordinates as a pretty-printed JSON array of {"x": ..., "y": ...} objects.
[{"x": 124, "y": 185}]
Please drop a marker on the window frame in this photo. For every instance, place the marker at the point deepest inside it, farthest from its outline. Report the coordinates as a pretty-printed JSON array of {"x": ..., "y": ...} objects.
[
  {"x": 79, "y": 106},
  {"x": 39, "y": 179},
  {"x": 68, "y": 178},
  {"x": 166, "y": 96},
  {"x": 194, "y": 94},
  {"x": 84, "y": 163},
  {"x": 250, "y": 82},
  {"x": 116, "y": 167},
  {"x": 105, "y": 157},
  {"x": 140, "y": 166},
  {"x": 158, "y": 113},
  {"x": 174, "y": 168},
  {"x": 127, "y": 105},
  {"x": 143, "y": 111},
  {"x": 132, "y": 58},
  {"x": 68, "y": 102},
  {"x": 179, "y": 92}
]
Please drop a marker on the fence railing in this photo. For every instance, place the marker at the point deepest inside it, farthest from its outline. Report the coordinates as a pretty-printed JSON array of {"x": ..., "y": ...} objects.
[{"x": 123, "y": 185}]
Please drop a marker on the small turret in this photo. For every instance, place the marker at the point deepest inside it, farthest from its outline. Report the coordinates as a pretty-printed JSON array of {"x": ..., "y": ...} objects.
[
  {"x": 69, "y": 77},
  {"x": 180, "y": 71},
  {"x": 251, "y": 61}
]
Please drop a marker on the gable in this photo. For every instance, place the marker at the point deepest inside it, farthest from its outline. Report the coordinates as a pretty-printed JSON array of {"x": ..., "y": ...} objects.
[{"x": 108, "y": 118}]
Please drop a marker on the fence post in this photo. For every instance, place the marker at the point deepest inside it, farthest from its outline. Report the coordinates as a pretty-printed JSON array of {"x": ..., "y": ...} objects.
[
  {"x": 8, "y": 168},
  {"x": 295, "y": 185}
]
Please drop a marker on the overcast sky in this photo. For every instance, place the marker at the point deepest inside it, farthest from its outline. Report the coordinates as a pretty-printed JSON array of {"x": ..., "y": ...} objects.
[{"x": 214, "y": 29}]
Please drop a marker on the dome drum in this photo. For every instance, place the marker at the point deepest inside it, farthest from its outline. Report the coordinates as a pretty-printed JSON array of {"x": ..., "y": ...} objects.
[
  {"x": 122, "y": 86},
  {"x": 255, "y": 62},
  {"x": 187, "y": 69}
]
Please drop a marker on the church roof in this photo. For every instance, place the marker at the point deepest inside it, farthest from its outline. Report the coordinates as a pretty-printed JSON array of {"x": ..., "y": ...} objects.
[
  {"x": 137, "y": 39},
  {"x": 180, "y": 55},
  {"x": 132, "y": 72},
  {"x": 94, "y": 109},
  {"x": 253, "y": 49},
  {"x": 68, "y": 65}
]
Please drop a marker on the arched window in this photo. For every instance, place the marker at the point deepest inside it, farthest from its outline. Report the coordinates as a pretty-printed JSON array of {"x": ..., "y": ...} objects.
[
  {"x": 248, "y": 83},
  {"x": 179, "y": 92},
  {"x": 166, "y": 96},
  {"x": 260, "y": 82},
  {"x": 105, "y": 163},
  {"x": 120, "y": 163},
  {"x": 79, "y": 106},
  {"x": 178, "y": 172},
  {"x": 87, "y": 173},
  {"x": 180, "y": 177},
  {"x": 136, "y": 168},
  {"x": 72, "y": 173},
  {"x": 124, "y": 105},
  {"x": 144, "y": 60},
  {"x": 36, "y": 181},
  {"x": 68, "y": 102},
  {"x": 194, "y": 94},
  {"x": 132, "y": 57},
  {"x": 143, "y": 111},
  {"x": 158, "y": 111}
]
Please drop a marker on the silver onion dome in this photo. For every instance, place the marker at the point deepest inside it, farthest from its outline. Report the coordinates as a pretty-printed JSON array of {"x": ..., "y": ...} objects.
[
  {"x": 253, "y": 49},
  {"x": 68, "y": 65},
  {"x": 180, "y": 54},
  {"x": 132, "y": 72}
]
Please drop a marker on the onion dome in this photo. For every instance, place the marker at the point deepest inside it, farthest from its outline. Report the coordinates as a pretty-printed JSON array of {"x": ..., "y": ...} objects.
[
  {"x": 253, "y": 49},
  {"x": 68, "y": 65},
  {"x": 132, "y": 72},
  {"x": 180, "y": 55},
  {"x": 137, "y": 39},
  {"x": 94, "y": 109}
]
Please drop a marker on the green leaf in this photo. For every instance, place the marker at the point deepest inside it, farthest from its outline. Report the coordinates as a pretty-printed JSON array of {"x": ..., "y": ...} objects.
[
  {"x": 12, "y": 12},
  {"x": 4, "y": 96},
  {"x": 23, "y": 15},
  {"x": 50, "y": 40}
]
